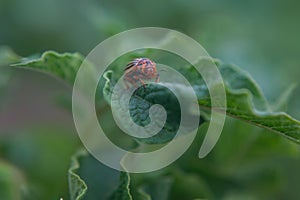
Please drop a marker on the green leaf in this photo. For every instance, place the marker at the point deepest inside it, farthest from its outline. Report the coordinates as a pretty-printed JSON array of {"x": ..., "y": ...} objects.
[
  {"x": 247, "y": 159},
  {"x": 245, "y": 101},
  {"x": 144, "y": 98},
  {"x": 89, "y": 179},
  {"x": 64, "y": 66},
  {"x": 77, "y": 186},
  {"x": 123, "y": 191},
  {"x": 237, "y": 79},
  {"x": 239, "y": 106}
]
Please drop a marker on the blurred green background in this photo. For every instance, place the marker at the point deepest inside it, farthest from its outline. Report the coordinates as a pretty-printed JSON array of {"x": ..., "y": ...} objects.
[{"x": 37, "y": 134}]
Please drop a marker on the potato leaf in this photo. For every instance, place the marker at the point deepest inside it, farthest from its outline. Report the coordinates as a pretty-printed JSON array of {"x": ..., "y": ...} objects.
[
  {"x": 245, "y": 101},
  {"x": 77, "y": 186},
  {"x": 64, "y": 66},
  {"x": 122, "y": 192},
  {"x": 88, "y": 179}
]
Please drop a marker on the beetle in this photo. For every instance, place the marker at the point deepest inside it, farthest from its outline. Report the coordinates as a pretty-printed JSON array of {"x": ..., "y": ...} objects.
[{"x": 138, "y": 71}]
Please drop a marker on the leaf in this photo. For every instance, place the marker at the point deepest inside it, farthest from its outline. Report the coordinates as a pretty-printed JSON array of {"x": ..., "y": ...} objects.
[
  {"x": 245, "y": 101},
  {"x": 247, "y": 159},
  {"x": 239, "y": 106},
  {"x": 64, "y": 66},
  {"x": 77, "y": 186},
  {"x": 89, "y": 179},
  {"x": 237, "y": 79},
  {"x": 122, "y": 192},
  {"x": 144, "y": 98}
]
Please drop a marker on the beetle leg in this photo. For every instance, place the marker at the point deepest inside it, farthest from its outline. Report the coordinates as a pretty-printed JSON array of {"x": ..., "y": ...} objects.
[
  {"x": 142, "y": 82},
  {"x": 134, "y": 80},
  {"x": 135, "y": 85},
  {"x": 128, "y": 81}
]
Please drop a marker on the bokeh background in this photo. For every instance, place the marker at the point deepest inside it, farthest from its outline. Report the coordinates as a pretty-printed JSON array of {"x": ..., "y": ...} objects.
[{"x": 37, "y": 134}]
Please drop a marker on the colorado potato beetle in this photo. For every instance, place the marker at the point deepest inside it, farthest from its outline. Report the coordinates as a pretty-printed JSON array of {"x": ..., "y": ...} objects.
[{"x": 138, "y": 71}]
